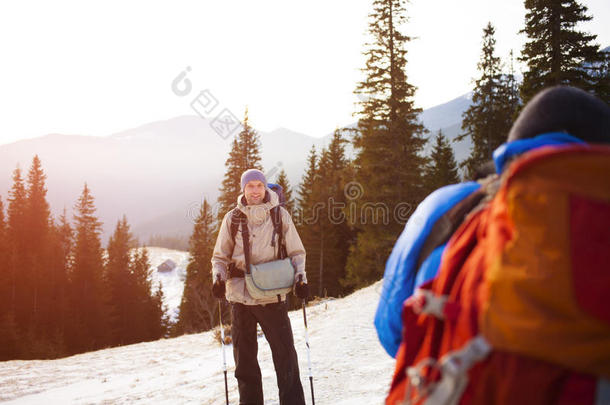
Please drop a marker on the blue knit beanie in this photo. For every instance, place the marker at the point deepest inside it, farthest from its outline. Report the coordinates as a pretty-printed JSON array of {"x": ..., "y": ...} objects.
[{"x": 252, "y": 174}]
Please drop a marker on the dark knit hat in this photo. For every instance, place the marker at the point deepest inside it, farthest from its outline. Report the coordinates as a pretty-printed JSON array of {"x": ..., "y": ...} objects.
[
  {"x": 564, "y": 109},
  {"x": 252, "y": 174}
]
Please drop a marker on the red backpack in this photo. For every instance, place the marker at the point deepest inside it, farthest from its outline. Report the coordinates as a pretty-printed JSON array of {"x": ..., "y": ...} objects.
[{"x": 518, "y": 311}]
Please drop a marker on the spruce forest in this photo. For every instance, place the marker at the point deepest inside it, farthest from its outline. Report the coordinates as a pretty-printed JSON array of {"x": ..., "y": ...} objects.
[{"x": 62, "y": 292}]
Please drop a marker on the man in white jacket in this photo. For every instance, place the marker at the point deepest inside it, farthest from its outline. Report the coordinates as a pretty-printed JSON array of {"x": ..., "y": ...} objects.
[{"x": 228, "y": 265}]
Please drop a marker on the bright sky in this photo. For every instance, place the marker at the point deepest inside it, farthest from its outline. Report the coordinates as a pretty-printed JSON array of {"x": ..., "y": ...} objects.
[{"x": 79, "y": 67}]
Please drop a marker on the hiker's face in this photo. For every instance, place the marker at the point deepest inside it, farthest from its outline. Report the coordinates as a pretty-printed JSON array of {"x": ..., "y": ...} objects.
[{"x": 254, "y": 192}]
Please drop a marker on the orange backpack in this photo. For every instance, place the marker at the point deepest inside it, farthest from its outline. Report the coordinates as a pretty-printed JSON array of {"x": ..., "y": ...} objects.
[{"x": 518, "y": 311}]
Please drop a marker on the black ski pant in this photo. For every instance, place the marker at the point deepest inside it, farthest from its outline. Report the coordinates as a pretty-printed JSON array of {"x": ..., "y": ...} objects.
[{"x": 275, "y": 324}]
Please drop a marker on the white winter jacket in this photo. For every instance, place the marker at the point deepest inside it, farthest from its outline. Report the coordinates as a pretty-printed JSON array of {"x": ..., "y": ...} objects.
[{"x": 260, "y": 226}]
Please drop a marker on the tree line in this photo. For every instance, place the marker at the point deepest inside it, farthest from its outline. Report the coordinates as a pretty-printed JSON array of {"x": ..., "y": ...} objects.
[{"x": 60, "y": 292}]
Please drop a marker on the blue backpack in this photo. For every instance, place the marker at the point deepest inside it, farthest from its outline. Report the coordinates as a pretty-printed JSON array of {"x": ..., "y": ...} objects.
[{"x": 417, "y": 254}]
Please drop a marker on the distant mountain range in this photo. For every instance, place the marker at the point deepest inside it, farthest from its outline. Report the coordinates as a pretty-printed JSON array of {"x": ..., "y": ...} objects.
[
  {"x": 158, "y": 174},
  {"x": 447, "y": 118}
]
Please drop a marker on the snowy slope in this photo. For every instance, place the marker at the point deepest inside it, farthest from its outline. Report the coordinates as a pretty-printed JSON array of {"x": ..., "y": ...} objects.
[{"x": 350, "y": 367}]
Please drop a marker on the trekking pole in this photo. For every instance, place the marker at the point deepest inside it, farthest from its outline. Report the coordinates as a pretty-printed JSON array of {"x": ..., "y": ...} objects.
[
  {"x": 224, "y": 356},
  {"x": 313, "y": 401}
]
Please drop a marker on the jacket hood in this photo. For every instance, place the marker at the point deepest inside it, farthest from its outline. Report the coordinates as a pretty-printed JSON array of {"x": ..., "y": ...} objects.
[{"x": 505, "y": 152}]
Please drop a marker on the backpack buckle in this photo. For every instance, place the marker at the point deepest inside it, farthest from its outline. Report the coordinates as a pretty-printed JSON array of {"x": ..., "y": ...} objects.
[
  {"x": 452, "y": 370},
  {"x": 426, "y": 302},
  {"x": 417, "y": 380}
]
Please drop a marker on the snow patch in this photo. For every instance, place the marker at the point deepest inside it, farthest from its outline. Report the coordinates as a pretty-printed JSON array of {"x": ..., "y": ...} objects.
[{"x": 172, "y": 282}]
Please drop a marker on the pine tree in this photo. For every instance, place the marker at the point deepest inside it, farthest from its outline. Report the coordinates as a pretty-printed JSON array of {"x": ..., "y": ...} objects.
[
  {"x": 88, "y": 321},
  {"x": 337, "y": 158},
  {"x": 338, "y": 235},
  {"x": 510, "y": 101},
  {"x": 231, "y": 186},
  {"x": 37, "y": 207},
  {"x": 17, "y": 210},
  {"x": 304, "y": 214},
  {"x": 9, "y": 348},
  {"x": 120, "y": 283},
  {"x": 160, "y": 324},
  {"x": 305, "y": 217},
  {"x": 66, "y": 241},
  {"x": 38, "y": 223},
  {"x": 324, "y": 229},
  {"x": 244, "y": 155},
  {"x": 148, "y": 315},
  {"x": 389, "y": 144},
  {"x": 315, "y": 231},
  {"x": 489, "y": 117},
  {"x": 17, "y": 254},
  {"x": 60, "y": 262},
  {"x": 250, "y": 145},
  {"x": 556, "y": 52},
  {"x": 443, "y": 168},
  {"x": 136, "y": 312},
  {"x": 5, "y": 280},
  {"x": 282, "y": 180},
  {"x": 197, "y": 306},
  {"x": 601, "y": 75},
  {"x": 305, "y": 189}
]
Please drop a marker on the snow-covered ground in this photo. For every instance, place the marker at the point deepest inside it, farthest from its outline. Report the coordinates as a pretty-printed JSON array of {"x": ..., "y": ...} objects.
[
  {"x": 172, "y": 282},
  {"x": 350, "y": 367}
]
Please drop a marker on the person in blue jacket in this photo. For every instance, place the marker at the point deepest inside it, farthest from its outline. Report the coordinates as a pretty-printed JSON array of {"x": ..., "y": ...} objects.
[{"x": 558, "y": 115}]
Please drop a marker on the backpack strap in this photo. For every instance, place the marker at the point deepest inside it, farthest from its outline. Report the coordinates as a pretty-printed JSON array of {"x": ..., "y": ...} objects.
[
  {"x": 237, "y": 218},
  {"x": 245, "y": 237},
  {"x": 447, "y": 224},
  {"x": 276, "y": 218}
]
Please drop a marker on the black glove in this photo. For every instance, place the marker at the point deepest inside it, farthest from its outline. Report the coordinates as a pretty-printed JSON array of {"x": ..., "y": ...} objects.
[
  {"x": 218, "y": 288},
  {"x": 301, "y": 289}
]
